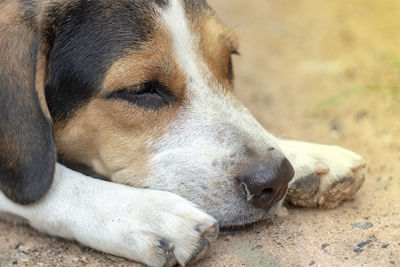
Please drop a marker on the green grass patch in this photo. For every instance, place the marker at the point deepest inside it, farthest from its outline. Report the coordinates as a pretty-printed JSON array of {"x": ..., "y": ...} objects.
[
  {"x": 396, "y": 62},
  {"x": 328, "y": 103},
  {"x": 393, "y": 90}
]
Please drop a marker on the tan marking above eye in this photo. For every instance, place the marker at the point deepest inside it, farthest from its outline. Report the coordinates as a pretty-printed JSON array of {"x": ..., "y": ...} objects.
[
  {"x": 153, "y": 60},
  {"x": 218, "y": 42},
  {"x": 229, "y": 39}
]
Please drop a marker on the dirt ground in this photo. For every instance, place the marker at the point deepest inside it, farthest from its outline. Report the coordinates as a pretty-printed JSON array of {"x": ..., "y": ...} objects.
[{"x": 322, "y": 71}]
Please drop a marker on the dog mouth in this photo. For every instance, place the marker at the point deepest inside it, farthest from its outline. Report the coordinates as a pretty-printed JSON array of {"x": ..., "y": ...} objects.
[
  {"x": 227, "y": 229},
  {"x": 246, "y": 218}
]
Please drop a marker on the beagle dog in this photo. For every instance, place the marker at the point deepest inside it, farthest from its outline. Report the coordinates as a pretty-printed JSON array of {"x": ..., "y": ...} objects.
[{"x": 139, "y": 94}]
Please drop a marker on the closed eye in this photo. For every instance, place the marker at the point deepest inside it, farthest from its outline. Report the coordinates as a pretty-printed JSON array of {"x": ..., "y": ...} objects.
[
  {"x": 236, "y": 52},
  {"x": 230, "y": 66},
  {"x": 150, "y": 95}
]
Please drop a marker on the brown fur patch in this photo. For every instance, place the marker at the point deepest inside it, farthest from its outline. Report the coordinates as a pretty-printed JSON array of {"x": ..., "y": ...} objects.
[
  {"x": 112, "y": 137},
  {"x": 40, "y": 81},
  {"x": 9, "y": 12},
  {"x": 28, "y": 151},
  {"x": 11, "y": 20},
  {"x": 217, "y": 44}
]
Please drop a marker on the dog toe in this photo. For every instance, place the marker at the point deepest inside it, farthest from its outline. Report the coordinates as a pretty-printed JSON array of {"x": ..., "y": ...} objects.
[
  {"x": 342, "y": 188},
  {"x": 209, "y": 233},
  {"x": 327, "y": 189},
  {"x": 303, "y": 189}
]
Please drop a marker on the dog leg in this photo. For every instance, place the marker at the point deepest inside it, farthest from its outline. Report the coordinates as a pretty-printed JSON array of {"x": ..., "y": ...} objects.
[
  {"x": 325, "y": 175},
  {"x": 153, "y": 227}
]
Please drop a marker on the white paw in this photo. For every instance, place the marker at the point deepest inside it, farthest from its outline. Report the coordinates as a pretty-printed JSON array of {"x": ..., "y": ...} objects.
[
  {"x": 325, "y": 175},
  {"x": 154, "y": 227}
]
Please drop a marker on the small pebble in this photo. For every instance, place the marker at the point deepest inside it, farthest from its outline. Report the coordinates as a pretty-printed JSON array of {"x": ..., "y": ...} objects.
[
  {"x": 324, "y": 246},
  {"x": 336, "y": 126},
  {"x": 22, "y": 256},
  {"x": 363, "y": 225},
  {"x": 373, "y": 238},
  {"x": 257, "y": 247},
  {"x": 363, "y": 244},
  {"x": 19, "y": 245},
  {"x": 361, "y": 115}
]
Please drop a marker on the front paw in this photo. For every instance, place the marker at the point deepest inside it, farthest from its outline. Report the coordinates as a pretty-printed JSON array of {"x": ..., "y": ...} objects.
[
  {"x": 158, "y": 229},
  {"x": 325, "y": 175},
  {"x": 182, "y": 232}
]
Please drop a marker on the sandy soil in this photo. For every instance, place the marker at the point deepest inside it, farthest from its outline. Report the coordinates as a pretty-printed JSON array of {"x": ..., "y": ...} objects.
[{"x": 321, "y": 71}]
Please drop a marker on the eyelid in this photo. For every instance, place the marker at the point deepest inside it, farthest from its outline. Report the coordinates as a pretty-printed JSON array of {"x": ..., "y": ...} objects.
[
  {"x": 134, "y": 89},
  {"x": 114, "y": 94},
  {"x": 236, "y": 52},
  {"x": 133, "y": 93}
]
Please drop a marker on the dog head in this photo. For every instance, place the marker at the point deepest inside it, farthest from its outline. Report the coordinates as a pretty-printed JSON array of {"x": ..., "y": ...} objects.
[{"x": 139, "y": 92}]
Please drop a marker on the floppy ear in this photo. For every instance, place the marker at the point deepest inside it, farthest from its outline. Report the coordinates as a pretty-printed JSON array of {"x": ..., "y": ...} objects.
[{"x": 27, "y": 149}]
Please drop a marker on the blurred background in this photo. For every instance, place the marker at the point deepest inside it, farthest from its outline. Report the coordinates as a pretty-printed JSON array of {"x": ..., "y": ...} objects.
[
  {"x": 324, "y": 71},
  {"x": 327, "y": 72}
]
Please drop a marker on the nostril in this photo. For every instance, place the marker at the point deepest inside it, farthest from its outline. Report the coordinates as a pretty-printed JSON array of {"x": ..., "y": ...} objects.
[
  {"x": 269, "y": 192},
  {"x": 265, "y": 198}
]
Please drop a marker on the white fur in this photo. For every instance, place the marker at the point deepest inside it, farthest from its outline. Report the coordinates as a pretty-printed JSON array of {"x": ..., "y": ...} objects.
[
  {"x": 117, "y": 219},
  {"x": 184, "y": 43}
]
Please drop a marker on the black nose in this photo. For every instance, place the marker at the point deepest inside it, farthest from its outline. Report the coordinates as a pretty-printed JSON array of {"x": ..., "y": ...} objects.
[{"x": 265, "y": 184}]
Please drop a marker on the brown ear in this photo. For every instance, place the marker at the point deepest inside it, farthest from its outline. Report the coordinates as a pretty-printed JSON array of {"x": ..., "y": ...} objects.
[{"x": 27, "y": 150}]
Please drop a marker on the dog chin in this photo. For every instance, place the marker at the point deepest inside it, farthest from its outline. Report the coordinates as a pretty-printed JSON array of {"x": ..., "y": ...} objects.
[{"x": 238, "y": 217}]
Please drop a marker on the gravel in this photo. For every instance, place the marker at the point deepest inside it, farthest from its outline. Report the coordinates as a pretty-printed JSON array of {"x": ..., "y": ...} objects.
[{"x": 363, "y": 225}]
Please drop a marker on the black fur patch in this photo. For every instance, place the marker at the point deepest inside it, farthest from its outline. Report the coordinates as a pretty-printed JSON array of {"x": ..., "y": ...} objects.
[
  {"x": 30, "y": 10},
  {"x": 82, "y": 168},
  {"x": 89, "y": 36}
]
